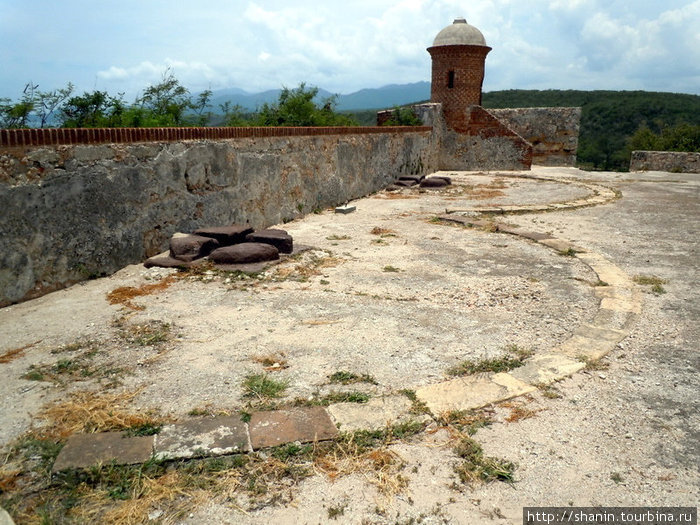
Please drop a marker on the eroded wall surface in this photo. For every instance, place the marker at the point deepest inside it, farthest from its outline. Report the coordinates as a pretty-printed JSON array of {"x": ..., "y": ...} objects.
[
  {"x": 483, "y": 142},
  {"x": 73, "y": 212},
  {"x": 673, "y": 161},
  {"x": 553, "y": 132}
]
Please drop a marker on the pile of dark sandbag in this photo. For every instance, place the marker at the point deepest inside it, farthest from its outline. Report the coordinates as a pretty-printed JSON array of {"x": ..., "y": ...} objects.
[
  {"x": 235, "y": 244},
  {"x": 420, "y": 181}
]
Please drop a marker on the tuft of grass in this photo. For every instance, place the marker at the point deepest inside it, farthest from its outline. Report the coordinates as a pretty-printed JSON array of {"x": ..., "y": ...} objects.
[
  {"x": 616, "y": 477},
  {"x": 657, "y": 289},
  {"x": 514, "y": 358},
  {"x": 333, "y": 397},
  {"x": 476, "y": 467},
  {"x": 263, "y": 387},
  {"x": 466, "y": 421},
  {"x": 649, "y": 280},
  {"x": 338, "y": 237},
  {"x": 335, "y": 512},
  {"x": 345, "y": 378},
  {"x": 391, "y": 269},
  {"x": 600, "y": 283},
  {"x": 549, "y": 391},
  {"x": 418, "y": 407},
  {"x": 653, "y": 281},
  {"x": 75, "y": 368},
  {"x": 570, "y": 252},
  {"x": 593, "y": 364}
]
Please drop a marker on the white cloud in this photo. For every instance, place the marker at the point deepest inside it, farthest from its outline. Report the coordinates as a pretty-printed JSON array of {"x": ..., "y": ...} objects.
[{"x": 346, "y": 46}]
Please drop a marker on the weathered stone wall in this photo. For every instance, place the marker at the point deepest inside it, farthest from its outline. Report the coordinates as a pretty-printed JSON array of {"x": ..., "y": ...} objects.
[
  {"x": 673, "y": 161},
  {"x": 74, "y": 211},
  {"x": 483, "y": 142},
  {"x": 553, "y": 132}
]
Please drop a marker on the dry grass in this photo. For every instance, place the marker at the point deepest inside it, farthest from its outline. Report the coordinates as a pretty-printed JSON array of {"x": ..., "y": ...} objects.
[
  {"x": 124, "y": 294},
  {"x": 394, "y": 196},
  {"x": 308, "y": 265},
  {"x": 518, "y": 413},
  {"x": 272, "y": 362},
  {"x": 381, "y": 467},
  {"x": 384, "y": 232},
  {"x": 15, "y": 353},
  {"x": 94, "y": 412}
]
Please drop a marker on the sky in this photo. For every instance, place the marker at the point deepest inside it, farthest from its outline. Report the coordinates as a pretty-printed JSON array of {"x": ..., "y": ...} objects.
[{"x": 126, "y": 45}]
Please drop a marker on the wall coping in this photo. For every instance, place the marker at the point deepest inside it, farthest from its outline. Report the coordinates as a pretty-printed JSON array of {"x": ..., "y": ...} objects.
[{"x": 74, "y": 136}]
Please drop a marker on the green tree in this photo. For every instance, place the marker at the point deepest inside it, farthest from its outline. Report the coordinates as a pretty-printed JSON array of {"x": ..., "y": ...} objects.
[
  {"x": 16, "y": 115},
  {"x": 296, "y": 107},
  {"x": 403, "y": 116},
  {"x": 46, "y": 102},
  {"x": 234, "y": 115},
  {"x": 164, "y": 104},
  {"x": 92, "y": 110}
]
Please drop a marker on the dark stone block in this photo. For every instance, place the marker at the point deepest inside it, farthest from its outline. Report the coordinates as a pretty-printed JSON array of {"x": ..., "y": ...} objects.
[
  {"x": 405, "y": 183},
  {"x": 434, "y": 182},
  {"x": 280, "y": 239},
  {"x": 86, "y": 450},
  {"x": 165, "y": 261},
  {"x": 190, "y": 247},
  {"x": 226, "y": 235},
  {"x": 415, "y": 178},
  {"x": 246, "y": 252},
  {"x": 271, "y": 429}
]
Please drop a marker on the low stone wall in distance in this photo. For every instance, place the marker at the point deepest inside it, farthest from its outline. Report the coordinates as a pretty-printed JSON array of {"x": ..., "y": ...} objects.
[
  {"x": 71, "y": 212},
  {"x": 673, "y": 161},
  {"x": 553, "y": 132}
]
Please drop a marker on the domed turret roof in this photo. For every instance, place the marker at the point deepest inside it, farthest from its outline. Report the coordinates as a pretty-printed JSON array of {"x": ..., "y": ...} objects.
[{"x": 459, "y": 34}]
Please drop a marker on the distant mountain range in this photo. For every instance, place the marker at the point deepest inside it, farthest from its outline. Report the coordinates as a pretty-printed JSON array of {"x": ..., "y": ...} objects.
[{"x": 375, "y": 98}]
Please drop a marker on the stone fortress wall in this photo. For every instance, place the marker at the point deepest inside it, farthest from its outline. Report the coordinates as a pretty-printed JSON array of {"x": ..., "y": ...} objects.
[
  {"x": 673, "y": 161},
  {"x": 71, "y": 212}
]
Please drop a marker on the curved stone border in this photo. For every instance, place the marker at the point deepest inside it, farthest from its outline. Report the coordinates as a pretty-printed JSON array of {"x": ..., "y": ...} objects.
[
  {"x": 620, "y": 302},
  {"x": 599, "y": 194}
]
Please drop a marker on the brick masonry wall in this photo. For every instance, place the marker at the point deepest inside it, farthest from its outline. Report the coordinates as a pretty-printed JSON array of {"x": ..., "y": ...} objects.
[
  {"x": 553, "y": 132},
  {"x": 65, "y": 136},
  {"x": 672, "y": 161},
  {"x": 467, "y": 63},
  {"x": 70, "y": 212}
]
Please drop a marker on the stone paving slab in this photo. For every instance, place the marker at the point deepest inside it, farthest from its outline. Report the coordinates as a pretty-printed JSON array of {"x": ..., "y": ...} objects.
[
  {"x": 613, "y": 319},
  {"x": 543, "y": 369},
  {"x": 86, "y": 450},
  {"x": 274, "y": 428},
  {"x": 470, "y": 392},
  {"x": 376, "y": 414},
  {"x": 202, "y": 437}
]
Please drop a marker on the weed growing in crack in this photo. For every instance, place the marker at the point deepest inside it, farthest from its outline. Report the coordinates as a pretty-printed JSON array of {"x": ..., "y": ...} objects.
[
  {"x": 513, "y": 358},
  {"x": 391, "y": 269},
  {"x": 345, "y": 378},
  {"x": 263, "y": 387},
  {"x": 592, "y": 364}
]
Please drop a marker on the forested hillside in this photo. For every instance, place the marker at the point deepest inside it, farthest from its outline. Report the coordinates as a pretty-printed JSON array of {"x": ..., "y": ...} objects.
[{"x": 609, "y": 119}]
